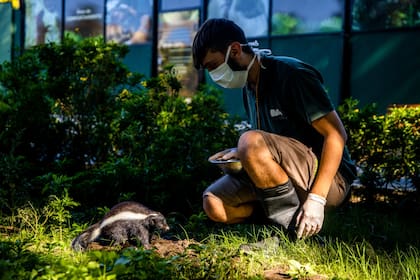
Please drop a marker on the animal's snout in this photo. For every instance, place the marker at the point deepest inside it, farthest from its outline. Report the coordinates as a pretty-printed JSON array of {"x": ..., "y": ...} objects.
[{"x": 164, "y": 226}]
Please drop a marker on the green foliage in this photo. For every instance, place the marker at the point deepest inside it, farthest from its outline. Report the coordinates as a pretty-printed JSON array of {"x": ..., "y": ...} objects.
[
  {"x": 365, "y": 131},
  {"x": 58, "y": 101},
  {"x": 137, "y": 264},
  {"x": 170, "y": 138},
  {"x": 17, "y": 260},
  {"x": 385, "y": 147},
  {"x": 14, "y": 181},
  {"x": 52, "y": 218},
  {"x": 373, "y": 14},
  {"x": 284, "y": 24},
  {"x": 73, "y": 117},
  {"x": 402, "y": 144},
  {"x": 360, "y": 246}
]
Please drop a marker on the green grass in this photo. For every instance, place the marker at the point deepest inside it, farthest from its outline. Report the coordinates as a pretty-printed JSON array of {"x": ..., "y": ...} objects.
[{"x": 357, "y": 242}]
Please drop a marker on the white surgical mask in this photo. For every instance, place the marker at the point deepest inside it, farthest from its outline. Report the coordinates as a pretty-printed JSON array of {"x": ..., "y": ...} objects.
[{"x": 224, "y": 76}]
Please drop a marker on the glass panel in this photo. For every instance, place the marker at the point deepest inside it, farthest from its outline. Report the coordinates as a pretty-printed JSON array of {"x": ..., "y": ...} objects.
[
  {"x": 386, "y": 68},
  {"x": 5, "y": 32},
  {"x": 385, "y": 14},
  {"x": 324, "y": 52},
  {"x": 129, "y": 21},
  {"x": 167, "y": 5},
  {"x": 42, "y": 21},
  {"x": 15, "y": 3},
  {"x": 306, "y": 16},
  {"x": 176, "y": 32},
  {"x": 254, "y": 21},
  {"x": 84, "y": 18}
]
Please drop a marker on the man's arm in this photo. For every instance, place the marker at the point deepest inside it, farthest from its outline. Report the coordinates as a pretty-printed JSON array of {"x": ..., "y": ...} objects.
[
  {"x": 311, "y": 215},
  {"x": 335, "y": 137}
]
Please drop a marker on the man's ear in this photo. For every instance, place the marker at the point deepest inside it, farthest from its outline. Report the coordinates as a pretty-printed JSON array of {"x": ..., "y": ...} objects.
[{"x": 235, "y": 49}]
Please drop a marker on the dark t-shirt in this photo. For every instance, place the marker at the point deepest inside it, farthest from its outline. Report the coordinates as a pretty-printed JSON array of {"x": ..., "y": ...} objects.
[{"x": 291, "y": 95}]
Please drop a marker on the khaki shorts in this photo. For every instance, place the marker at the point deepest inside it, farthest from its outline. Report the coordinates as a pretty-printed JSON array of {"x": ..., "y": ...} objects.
[{"x": 296, "y": 159}]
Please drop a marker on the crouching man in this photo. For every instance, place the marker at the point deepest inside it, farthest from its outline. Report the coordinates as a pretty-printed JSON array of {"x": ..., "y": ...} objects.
[{"x": 295, "y": 162}]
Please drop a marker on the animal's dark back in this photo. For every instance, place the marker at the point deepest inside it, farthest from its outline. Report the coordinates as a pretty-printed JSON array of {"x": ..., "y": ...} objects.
[{"x": 129, "y": 206}]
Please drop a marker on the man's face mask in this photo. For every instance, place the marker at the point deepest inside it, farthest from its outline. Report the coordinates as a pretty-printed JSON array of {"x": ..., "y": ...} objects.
[{"x": 224, "y": 76}]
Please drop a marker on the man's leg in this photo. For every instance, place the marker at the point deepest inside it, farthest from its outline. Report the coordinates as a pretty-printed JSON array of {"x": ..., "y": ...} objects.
[
  {"x": 271, "y": 159},
  {"x": 258, "y": 161},
  {"x": 275, "y": 189},
  {"x": 230, "y": 199},
  {"x": 223, "y": 213}
]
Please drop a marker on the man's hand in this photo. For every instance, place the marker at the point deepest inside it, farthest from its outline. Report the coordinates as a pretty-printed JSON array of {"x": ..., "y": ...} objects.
[
  {"x": 311, "y": 216},
  {"x": 227, "y": 154}
]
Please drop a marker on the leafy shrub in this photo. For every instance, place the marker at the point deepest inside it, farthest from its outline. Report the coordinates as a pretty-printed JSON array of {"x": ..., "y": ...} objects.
[
  {"x": 385, "y": 147},
  {"x": 73, "y": 117},
  {"x": 402, "y": 144},
  {"x": 58, "y": 100},
  {"x": 56, "y": 103},
  {"x": 388, "y": 14}
]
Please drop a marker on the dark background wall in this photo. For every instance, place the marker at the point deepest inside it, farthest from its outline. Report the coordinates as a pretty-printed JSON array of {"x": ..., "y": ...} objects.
[
  {"x": 385, "y": 68},
  {"x": 5, "y": 31},
  {"x": 380, "y": 66}
]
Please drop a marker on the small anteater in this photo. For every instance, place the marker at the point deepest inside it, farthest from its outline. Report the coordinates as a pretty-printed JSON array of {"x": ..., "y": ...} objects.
[{"x": 126, "y": 222}]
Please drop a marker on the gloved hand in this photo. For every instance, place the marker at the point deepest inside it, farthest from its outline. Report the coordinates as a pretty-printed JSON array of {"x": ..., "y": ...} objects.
[{"x": 311, "y": 216}]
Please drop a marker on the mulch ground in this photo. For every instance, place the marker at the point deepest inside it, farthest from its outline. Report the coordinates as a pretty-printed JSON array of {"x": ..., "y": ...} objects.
[{"x": 167, "y": 248}]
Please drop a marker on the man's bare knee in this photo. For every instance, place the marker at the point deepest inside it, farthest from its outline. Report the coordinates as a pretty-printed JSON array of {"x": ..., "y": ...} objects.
[
  {"x": 250, "y": 142},
  {"x": 214, "y": 209}
]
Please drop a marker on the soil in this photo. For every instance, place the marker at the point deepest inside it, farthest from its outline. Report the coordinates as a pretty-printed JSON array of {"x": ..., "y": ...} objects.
[
  {"x": 280, "y": 274},
  {"x": 163, "y": 247},
  {"x": 167, "y": 248}
]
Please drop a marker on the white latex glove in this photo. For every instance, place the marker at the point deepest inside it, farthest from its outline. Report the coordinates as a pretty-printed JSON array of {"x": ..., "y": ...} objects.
[{"x": 311, "y": 216}]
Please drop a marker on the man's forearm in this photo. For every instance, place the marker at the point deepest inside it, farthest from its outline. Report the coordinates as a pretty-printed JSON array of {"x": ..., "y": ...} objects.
[{"x": 332, "y": 153}]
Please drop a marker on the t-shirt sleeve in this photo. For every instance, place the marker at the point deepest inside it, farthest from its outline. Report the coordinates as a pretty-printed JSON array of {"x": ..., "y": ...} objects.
[{"x": 307, "y": 94}]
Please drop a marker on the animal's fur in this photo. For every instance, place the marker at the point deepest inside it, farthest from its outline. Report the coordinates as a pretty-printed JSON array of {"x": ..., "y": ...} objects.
[{"x": 126, "y": 222}]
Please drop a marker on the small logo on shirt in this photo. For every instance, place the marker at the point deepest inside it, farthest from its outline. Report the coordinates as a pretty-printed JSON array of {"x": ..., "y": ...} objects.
[{"x": 276, "y": 113}]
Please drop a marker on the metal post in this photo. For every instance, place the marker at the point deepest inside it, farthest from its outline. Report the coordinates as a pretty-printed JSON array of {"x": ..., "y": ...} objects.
[
  {"x": 155, "y": 26},
  {"x": 345, "y": 90}
]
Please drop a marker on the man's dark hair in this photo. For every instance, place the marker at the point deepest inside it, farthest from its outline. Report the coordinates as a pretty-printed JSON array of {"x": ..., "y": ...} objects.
[{"x": 216, "y": 35}]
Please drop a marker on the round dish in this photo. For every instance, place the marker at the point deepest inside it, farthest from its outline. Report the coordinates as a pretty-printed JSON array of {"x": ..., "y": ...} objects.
[{"x": 230, "y": 166}]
